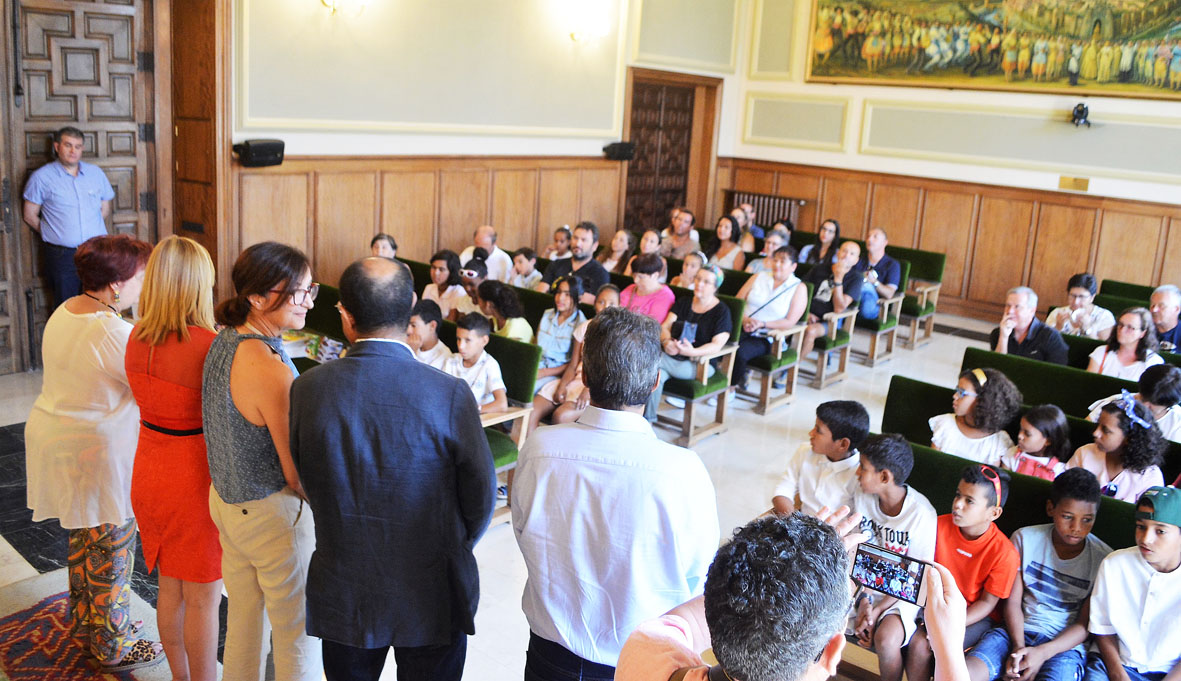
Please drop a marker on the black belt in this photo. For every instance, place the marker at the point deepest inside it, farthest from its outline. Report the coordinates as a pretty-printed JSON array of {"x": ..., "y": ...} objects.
[
  {"x": 172, "y": 431},
  {"x": 61, "y": 248}
]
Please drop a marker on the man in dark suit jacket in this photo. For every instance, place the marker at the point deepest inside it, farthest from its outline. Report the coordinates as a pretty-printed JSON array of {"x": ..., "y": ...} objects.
[{"x": 401, "y": 482}]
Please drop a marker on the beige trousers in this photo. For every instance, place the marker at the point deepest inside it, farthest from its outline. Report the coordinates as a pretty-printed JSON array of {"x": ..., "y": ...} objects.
[{"x": 266, "y": 546}]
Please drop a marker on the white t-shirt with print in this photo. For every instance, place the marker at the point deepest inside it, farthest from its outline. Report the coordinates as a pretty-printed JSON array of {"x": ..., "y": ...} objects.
[{"x": 483, "y": 377}]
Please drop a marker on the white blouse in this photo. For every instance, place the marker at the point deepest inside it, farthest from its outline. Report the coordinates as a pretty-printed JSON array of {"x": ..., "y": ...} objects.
[
  {"x": 947, "y": 437},
  {"x": 1128, "y": 485},
  {"x": 447, "y": 300},
  {"x": 81, "y": 435},
  {"x": 1089, "y": 325},
  {"x": 1109, "y": 364},
  {"x": 767, "y": 302}
]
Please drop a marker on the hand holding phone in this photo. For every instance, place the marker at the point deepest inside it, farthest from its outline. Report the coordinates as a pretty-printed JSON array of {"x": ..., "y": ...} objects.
[{"x": 890, "y": 573}]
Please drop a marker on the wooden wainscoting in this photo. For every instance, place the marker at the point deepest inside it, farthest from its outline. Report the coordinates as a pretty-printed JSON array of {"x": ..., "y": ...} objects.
[
  {"x": 332, "y": 206},
  {"x": 995, "y": 237}
]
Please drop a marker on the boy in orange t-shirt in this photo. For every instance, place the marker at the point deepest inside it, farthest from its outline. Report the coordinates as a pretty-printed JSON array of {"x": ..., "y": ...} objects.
[{"x": 980, "y": 556}]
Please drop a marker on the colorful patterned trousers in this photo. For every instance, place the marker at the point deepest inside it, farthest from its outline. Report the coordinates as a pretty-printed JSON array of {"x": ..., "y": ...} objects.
[{"x": 99, "y": 565}]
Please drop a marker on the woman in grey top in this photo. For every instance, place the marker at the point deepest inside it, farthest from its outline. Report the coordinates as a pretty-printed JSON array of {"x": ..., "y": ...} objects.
[{"x": 266, "y": 531}]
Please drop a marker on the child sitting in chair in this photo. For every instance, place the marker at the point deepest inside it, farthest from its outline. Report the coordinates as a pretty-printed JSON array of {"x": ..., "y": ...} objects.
[
  {"x": 477, "y": 368},
  {"x": 823, "y": 471}
]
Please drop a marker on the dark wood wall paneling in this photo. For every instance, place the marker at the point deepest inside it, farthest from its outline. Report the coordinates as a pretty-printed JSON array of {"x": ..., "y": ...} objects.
[
  {"x": 332, "y": 206},
  {"x": 994, "y": 237}
]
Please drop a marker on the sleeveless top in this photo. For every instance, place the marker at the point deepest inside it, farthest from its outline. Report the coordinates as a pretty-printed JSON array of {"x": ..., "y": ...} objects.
[{"x": 243, "y": 462}]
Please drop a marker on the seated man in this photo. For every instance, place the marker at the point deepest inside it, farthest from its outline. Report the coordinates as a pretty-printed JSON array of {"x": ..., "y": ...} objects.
[
  {"x": 500, "y": 263},
  {"x": 1022, "y": 334},
  {"x": 580, "y": 264},
  {"x": 837, "y": 286},
  {"x": 753, "y": 229},
  {"x": 680, "y": 241},
  {"x": 882, "y": 273},
  {"x": 1166, "y": 309},
  {"x": 672, "y": 219}
]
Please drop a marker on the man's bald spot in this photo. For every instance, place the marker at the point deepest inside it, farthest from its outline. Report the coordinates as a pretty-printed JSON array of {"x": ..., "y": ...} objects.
[{"x": 379, "y": 269}]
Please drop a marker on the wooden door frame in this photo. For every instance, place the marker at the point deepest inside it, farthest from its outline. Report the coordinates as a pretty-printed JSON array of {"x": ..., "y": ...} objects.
[{"x": 701, "y": 184}]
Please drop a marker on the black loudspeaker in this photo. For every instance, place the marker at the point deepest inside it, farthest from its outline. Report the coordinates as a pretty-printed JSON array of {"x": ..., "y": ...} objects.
[
  {"x": 259, "y": 153},
  {"x": 620, "y": 151}
]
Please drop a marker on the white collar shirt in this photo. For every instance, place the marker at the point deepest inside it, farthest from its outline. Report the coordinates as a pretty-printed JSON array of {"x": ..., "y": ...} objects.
[
  {"x": 817, "y": 481},
  {"x": 616, "y": 527},
  {"x": 1138, "y": 605},
  {"x": 499, "y": 262}
]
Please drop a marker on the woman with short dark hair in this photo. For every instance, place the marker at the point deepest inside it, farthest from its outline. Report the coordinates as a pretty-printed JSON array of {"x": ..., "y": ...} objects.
[
  {"x": 256, "y": 500},
  {"x": 1081, "y": 316},
  {"x": 383, "y": 245},
  {"x": 647, "y": 295},
  {"x": 80, "y": 442}
]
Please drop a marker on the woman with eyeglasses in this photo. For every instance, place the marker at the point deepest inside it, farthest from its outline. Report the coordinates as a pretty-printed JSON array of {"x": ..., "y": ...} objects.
[
  {"x": 1130, "y": 350},
  {"x": 1081, "y": 316},
  {"x": 694, "y": 327},
  {"x": 256, "y": 500}
]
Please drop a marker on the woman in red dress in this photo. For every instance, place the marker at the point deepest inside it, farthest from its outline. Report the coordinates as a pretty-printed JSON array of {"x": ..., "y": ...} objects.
[{"x": 170, "y": 479}]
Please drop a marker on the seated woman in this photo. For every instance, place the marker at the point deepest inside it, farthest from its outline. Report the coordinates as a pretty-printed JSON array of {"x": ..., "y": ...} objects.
[
  {"x": 826, "y": 250},
  {"x": 774, "y": 240},
  {"x": 689, "y": 268},
  {"x": 774, "y": 300},
  {"x": 567, "y": 398},
  {"x": 695, "y": 326},
  {"x": 383, "y": 245},
  {"x": 649, "y": 244},
  {"x": 648, "y": 296},
  {"x": 555, "y": 331},
  {"x": 616, "y": 257},
  {"x": 1130, "y": 350},
  {"x": 500, "y": 303},
  {"x": 723, "y": 249},
  {"x": 446, "y": 286},
  {"x": 470, "y": 276},
  {"x": 1081, "y": 316}
]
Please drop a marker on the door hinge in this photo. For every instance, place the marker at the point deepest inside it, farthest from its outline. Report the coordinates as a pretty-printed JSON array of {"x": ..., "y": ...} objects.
[
  {"x": 147, "y": 202},
  {"x": 147, "y": 132},
  {"x": 145, "y": 62}
]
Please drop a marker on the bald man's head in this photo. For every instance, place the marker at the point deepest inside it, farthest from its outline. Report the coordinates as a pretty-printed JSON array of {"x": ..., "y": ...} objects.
[
  {"x": 377, "y": 293},
  {"x": 485, "y": 238}
]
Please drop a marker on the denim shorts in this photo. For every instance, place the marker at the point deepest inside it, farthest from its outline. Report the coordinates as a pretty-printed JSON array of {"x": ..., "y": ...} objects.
[{"x": 994, "y": 648}]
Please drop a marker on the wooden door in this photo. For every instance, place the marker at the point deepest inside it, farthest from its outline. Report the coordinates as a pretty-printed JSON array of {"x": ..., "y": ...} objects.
[
  {"x": 89, "y": 65},
  {"x": 662, "y": 130}
]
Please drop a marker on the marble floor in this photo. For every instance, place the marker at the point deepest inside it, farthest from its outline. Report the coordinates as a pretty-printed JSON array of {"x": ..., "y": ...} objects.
[{"x": 744, "y": 463}]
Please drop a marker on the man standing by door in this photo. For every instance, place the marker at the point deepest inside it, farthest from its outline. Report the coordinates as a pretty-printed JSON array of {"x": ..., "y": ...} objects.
[{"x": 67, "y": 201}]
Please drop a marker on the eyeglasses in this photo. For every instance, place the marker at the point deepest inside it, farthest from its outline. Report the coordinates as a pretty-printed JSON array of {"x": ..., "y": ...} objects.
[
  {"x": 960, "y": 392},
  {"x": 301, "y": 296},
  {"x": 995, "y": 478},
  {"x": 1129, "y": 327}
]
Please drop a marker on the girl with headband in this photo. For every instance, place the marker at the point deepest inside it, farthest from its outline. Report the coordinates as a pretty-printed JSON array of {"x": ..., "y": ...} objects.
[{"x": 984, "y": 402}]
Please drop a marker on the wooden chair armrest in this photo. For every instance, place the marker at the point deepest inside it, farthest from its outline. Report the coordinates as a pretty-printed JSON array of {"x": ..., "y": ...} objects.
[
  {"x": 515, "y": 411},
  {"x": 885, "y": 303},
  {"x": 833, "y": 317},
  {"x": 796, "y": 333},
  {"x": 703, "y": 360},
  {"x": 927, "y": 291}
]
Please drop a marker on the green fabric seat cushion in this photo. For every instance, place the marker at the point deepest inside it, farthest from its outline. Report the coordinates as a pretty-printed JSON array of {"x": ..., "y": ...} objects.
[
  {"x": 504, "y": 450},
  {"x": 910, "y": 307},
  {"x": 879, "y": 324},
  {"x": 826, "y": 343},
  {"x": 768, "y": 363},
  {"x": 690, "y": 389}
]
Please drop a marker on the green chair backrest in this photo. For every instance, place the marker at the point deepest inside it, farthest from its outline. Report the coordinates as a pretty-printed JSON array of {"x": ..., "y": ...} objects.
[
  {"x": 800, "y": 238},
  {"x": 1125, "y": 289},
  {"x": 421, "y": 272},
  {"x": 620, "y": 280},
  {"x": 924, "y": 265},
  {"x": 732, "y": 281},
  {"x": 1171, "y": 358},
  {"x": 736, "y": 305},
  {"x": 535, "y": 304},
  {"x": 323, "y": 318},
  {"x": 542, "y": 263},
  {"x": 1117, "y": 304},
  {"x": 1073, "y": 390},
  {"x": 674, "y": 267},
  {"x": 910, "y": 404},
  {"x": 588, "y": 310},
  {"x": 518, "y": 361},
  {"x": 1079, "y": 349}
]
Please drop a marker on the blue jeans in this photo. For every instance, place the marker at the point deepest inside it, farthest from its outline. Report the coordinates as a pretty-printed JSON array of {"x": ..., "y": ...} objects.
[
  {"x": 1097, "y": 671},
  {"x": 869, "y": 301},
  {"x": 60, "y": 271},
  {"x": 548, "y": 661},
  {"x": 994, "y": 647}
]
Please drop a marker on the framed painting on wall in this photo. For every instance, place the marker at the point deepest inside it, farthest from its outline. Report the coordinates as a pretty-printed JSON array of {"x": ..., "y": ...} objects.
[{"x": 1129, "y": 48}]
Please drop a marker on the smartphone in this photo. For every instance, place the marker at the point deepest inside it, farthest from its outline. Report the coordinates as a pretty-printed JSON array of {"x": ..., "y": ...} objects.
[{"x": 891, "y": 573}]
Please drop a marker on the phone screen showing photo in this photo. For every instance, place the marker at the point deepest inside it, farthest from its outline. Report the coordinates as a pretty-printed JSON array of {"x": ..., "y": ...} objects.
[{"x": 890, "y": 573}]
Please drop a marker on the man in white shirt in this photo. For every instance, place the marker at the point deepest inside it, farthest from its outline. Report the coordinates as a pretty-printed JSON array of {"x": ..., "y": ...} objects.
[
  {"x": 1137, "y": 597},
  {"x": 616, "y": 525},
  {"x": 500, "y": 263}
]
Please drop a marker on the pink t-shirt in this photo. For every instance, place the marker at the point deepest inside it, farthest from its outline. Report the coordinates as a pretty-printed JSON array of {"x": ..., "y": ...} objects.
[
  {"x": 656, "y": 649},
  {"x": 655, "y": 305}
]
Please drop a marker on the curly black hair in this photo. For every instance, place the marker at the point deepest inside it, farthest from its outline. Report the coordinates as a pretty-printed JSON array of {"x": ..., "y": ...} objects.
[
  {"x": 1143, "y": 447},
  {"x": 502, "y": 297},
  {"x": 1076, "y": 483},
  {"x": 774, "y": 596},
  {"x": 997, "y": 401}
]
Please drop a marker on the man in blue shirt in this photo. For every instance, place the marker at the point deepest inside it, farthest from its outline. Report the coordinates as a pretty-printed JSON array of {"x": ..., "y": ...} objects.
[
  {"x": 1166, "y": 311},
  {"x": 67, "y": 201},
  {"x": 882, "y": 273}
]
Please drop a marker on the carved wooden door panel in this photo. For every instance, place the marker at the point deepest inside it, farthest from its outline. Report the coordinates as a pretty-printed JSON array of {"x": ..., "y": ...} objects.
[
  {"x": 84, "y": 64},
  {"x": 662, "y": 130}
]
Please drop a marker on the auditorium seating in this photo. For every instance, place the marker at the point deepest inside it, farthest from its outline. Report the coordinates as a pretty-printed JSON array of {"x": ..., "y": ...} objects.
[
  {"x": 926, "y": 278},
  {"x": 783, "y": 360},
  {"x": 1045, "y": 383},
  {"x": 885, "y": 325},
  {"x": 1128, "y": 290}
]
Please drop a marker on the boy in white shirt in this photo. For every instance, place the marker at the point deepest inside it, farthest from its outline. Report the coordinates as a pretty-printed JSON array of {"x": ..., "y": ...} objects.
[
  {"x": 823, "y": 472},
  {"x": 897, "y": 518},
  {"x": 477, "y": 368},
  {"x": 1137, "y": 598},
  {"x": 1160, "y": 391},
  {"x": 524, "y": 274},
  {"x": 422, "y": 334}
]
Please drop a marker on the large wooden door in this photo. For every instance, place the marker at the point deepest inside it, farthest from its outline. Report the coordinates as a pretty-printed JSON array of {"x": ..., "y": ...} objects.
[
  {"x": 658, "y": 175},
  {"x": 86, "y": 64}
]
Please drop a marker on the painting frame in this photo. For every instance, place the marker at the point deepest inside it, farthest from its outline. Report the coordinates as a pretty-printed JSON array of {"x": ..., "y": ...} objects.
[{"x": 968, "y": 55}]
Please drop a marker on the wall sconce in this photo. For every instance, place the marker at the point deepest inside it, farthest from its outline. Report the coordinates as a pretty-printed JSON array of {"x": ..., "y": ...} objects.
[{"x": 353, "y": 7}]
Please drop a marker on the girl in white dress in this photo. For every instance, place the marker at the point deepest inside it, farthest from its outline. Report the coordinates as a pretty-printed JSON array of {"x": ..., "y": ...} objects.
[
  {"x": 985, "y": 400},
  {"x": 446, "y": 287},
  {"x": 1130, "y": 350}
]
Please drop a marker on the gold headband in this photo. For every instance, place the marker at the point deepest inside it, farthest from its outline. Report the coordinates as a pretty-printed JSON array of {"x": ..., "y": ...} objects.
[{"x": 981, "y": 378}]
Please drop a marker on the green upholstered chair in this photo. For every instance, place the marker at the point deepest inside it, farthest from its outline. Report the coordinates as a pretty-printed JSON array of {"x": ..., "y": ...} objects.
[
  {"x": 421, "y": 272},
  {"x": 535, "y": 304},
  {"x": 783, "y": 360},
  {"x": 926, "y": 278},
  {"x": 909, "y": 406},
  {"x": 1171, "y": 358},
  {"x": 1079, "y": 349},
  {"x": 620, "y": 280},
  {"x": 1073, "y": 390},
  {"x": 837, "y": 340},
  {"x": 1125, "y": 289},
  {"x": 885, "y": 325},
  {"x": 674, "y": 267},
  {"x": 542, "y": 264},
  {"x": 1117, "y": 304},
  {"x": 699, "y": 389},
  {"x": 732, "y": 281}
]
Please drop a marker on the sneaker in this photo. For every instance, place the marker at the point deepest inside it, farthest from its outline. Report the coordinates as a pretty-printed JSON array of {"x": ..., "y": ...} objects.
[
  {"x": 675, "y": 401},
  {"x": 779, "y": 383},
  {"x": 502, "y": 493}
]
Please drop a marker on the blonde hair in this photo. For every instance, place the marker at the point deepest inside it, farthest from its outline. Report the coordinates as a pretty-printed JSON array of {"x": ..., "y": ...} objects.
[{"x": 177, "y": 293}]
